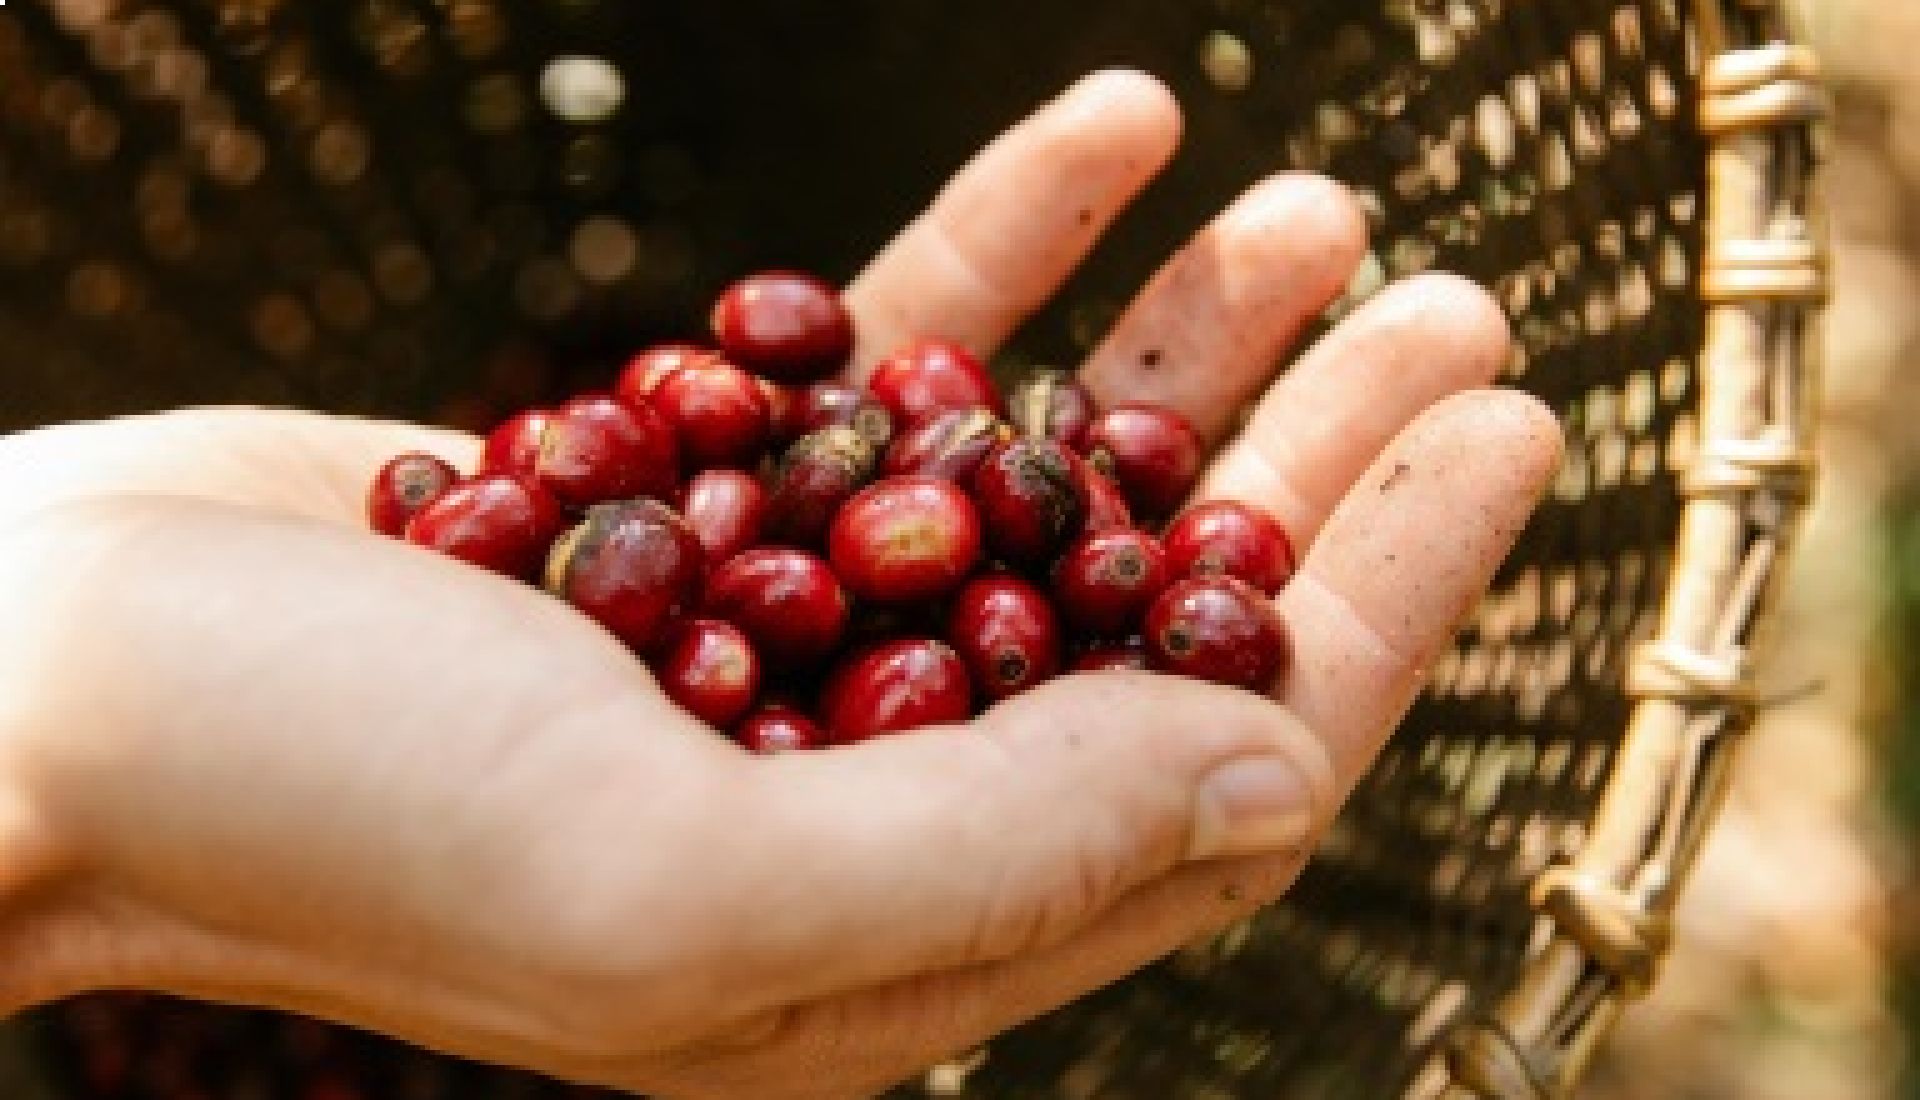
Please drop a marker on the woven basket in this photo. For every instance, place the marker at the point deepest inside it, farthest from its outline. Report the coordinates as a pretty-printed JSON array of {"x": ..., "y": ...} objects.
[{"x": 405, "y": 207}]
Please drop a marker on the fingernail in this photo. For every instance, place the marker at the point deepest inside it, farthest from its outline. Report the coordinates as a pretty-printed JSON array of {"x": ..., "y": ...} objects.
[{"x": 1253, "y": 805}]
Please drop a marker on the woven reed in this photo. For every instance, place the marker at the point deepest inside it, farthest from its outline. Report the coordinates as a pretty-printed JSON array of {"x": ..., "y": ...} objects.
[{"x": 365, "y": 206}]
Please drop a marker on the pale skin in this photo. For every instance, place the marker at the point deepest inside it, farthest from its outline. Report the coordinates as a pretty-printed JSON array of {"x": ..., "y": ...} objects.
[{"x": 251, "y": 753}]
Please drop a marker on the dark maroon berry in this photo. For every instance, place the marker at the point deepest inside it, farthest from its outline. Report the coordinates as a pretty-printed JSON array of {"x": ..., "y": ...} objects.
[
  {"x": 777, "y": 729},
  {"x": 1052, "y": 404},
  {"x": 1006, "y": 631},
  {"x": 905, "y": 539},
  {"x": 1153, "y": 453},
  {"x": 894, "y": 687},
  {"x": 1030, "y": 501},
  {"x": 835, "y": 404},
  {"x": 403, "y": 487},
  {"x": 634, "y": 567},
  {"x": 710, "y": 669},
  {"x": 784, "y": 411},
  {"x": 514, "y": 446},
  {"x": 788, "y": 601},
  {"x": 1218, "y": 629},
  {"x": 1106, "y": 581},
  {"x": 783, "y": 324},
  {"x": 1127, "y": 656},
  {"x": 726, "y": 509},
  {"x": 719, "y": 414},
  {"x": 1227, "y": 538},
  {"x": 949, "y": 445},
  {"x": 645, "y": 371},
  {"x": 597, "y": 449},
  {"x": 818, "y": 475},
  {"x": 498, "y": 522},
  {"x": 929, "y": 377}
]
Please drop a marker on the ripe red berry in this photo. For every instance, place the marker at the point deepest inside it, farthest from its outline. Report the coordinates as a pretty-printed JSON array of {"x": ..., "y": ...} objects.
[
  {"x": 709, "y": 668},
  {"x": 905, "y": 539},
  {"x": 787, "y": 601},
  {"x": 1127, "y": 656},
  {"x": 949, "y": 445},
  {"x": 719, "y": 414},
  {"x": 1030, "y": 502},
  {"x": 1006, "y": 631},
  {"x": 776, "y": 729},
  {"x": 929, "y": 377},
  {"x": 1227, "y": 538},
  {"x": 1052, "y": 404},
  {"x": 1152, "y": 452},
  {"x": 403, "y": 487},
  {"x": 1106, "y": 507},
  {"x": 634, "y": 567},
  {"x": 783, "y": 324},
  {"x": 514, "y": 446},
  {"x": 645, "y": 371},
  {"x": 783, "y": 412},
  {"x": 726, "y": 509},
  {"x": 598, "y": 449},
  {"x": 1218, "y": 629},
  {"x": 1105, "y": 582},
  {"x": 833, "y": 403},
  {"x": 894, "y": 687},
  {"x": 817, "y": 476},
  {"x": 498, "y": 522}
]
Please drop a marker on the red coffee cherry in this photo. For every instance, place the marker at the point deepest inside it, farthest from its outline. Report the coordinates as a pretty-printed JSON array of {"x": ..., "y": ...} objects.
[
  {"x": 905, "y": 539},
  {"x": 1006, "y": 631},
  {"x": 1230, "y": 539},
  {"x": 786, "y": 325},
  {"x": 1052, "y": 404},
  {"x": 1218, "y": 629},
  {"x": 645, "y": 371},
  {"x": 1106, "y": 508},
  {"x": 1152, "y": 452},
  {"x": 1106, "y": 581},
  {"x": 719, "y": 414},
  {"x": 634, "y": 567},
  {"x": 711, "y": 670},
  {"x": 818, "y": 475},
  {"x": 777, "y": 729},
  {"x": 726, "y": 509},
  {"x": 598, "y": 449},
  {"x": 514, "y": 446},
  {"x": 835, "y": 404},
  {"x": 894, "y": 687},
  {"x": 788, "y": 601},
  {"x": 929, "y": 377},
  {"x": 404, "y": 486},
  {"x": 498, "y": 522},
  {"x": 948, "y": 445},
  {"x": 1030, "y": 501}
]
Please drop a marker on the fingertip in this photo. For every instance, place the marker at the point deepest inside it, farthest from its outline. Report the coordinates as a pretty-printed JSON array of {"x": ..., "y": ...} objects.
[
  {"x": 1128, "y": 103},
  {"x": 1510, "y": 433},
  {"x": 1467, "y": 333},
  {"x": 1304, "y": 215}
]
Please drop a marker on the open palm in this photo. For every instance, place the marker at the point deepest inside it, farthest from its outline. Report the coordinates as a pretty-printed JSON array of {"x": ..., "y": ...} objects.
[{"x": 250, "y": 753}]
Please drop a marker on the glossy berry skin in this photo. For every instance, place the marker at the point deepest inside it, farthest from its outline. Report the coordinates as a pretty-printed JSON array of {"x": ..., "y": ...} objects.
[
  {"x": 816, "y": 478},
  {"x": 905, "y": 539},
  {"x": 1153, "y": 453},
  {"x": 1106, "y": 581},
  {"x": 929, "y": 377},
  {"x": 1107, "y": 508},
  {"x": 835, "y": 404},
  {"x": 777, "y": 729},
  {"x": 1052, "y": 405},
  {"x": 719, "y": 414},
  {"x": 498, "y": 522},
  {"x": 1218, "y": 629},
  {"x": 1006, "y": 631},
  {"x": 514, "y": 446},
  {"x": 949, "y": 445},
  {"x": 634, "y": 567},
  {"x": 1030, "y": 502},
  {"x": 598, "y": 449},
  {"x": 711, "y": 670},
  {"x": 893, "y": 687},
  {"x": 645, "y": 371},
  {"x": 403, "y": 486},
  {"x": 726, "y": 509},
  {"x": 788, "y": 601},
  {"x": 1231, "y": 539},
  {"x": 1127, "y": 656},
  {"x": 785, "y": 325}
]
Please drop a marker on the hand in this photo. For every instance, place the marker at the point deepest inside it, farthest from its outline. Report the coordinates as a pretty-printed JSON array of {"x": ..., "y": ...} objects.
[{"x": 253, "y": 754}]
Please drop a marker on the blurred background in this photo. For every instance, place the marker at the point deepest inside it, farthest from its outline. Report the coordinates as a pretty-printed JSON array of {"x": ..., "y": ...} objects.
[{"x": 1797, "y": 969}]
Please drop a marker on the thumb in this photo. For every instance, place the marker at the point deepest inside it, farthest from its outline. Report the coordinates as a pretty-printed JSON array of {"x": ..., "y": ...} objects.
[{"x": 986, "y": 841}]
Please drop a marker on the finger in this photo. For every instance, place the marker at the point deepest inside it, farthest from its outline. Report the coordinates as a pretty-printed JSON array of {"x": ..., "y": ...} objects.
[
  {"x": 293, "y": 463},
  {"x": 947, "y": 848},
  {"x": 1010, "y": 227},
  {"x": 1212, "y": 325},
  {"x": 1393, "y": 574},
  {"x": 1329, "y": 416}
]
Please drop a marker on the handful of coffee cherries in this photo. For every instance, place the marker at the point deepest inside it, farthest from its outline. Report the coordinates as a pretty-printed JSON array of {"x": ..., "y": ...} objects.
[{"x": 807, "y": 564}]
